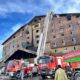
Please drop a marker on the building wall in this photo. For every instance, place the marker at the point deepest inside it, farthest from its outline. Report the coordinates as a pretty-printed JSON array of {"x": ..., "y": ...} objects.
[
  {"x": 65, "y": 50},
  {"x": 26, "y": 37},
  {"x": 12, "y": 45},
  {"x": 63, "y": 35}
]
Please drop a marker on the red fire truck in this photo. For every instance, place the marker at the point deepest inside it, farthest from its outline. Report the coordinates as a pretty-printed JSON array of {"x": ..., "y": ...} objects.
[
  {"x": 14, "y": 68},
  {"x": 47, "y": 65},
  {"x": 74, "y": 59}
]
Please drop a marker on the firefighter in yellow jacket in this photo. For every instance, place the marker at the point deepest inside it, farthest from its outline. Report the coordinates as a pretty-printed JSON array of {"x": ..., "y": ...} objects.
[{"x": 60, "y": 74}]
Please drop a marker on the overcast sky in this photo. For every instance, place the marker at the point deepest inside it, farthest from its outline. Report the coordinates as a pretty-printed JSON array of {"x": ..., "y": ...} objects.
[{"x": 14, "y": 13}]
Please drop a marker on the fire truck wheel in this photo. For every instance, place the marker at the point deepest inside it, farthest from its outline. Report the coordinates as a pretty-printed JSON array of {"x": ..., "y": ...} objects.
[
  {"x": 77, "y": 76},
  {"x": 43, "y": 76}
]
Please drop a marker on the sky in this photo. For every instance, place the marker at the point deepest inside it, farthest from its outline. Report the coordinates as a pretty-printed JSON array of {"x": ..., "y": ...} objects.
[{"x": 15, "y": 13}]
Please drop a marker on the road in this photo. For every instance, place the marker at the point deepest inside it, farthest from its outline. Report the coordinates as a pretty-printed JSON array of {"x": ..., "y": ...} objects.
[
  {"x": 29, "y": 78},
  {"x": 37, "y": 78}
]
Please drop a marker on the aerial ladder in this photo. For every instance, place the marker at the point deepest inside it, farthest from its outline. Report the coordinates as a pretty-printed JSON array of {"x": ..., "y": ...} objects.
[{"x": 43, "y": 36}]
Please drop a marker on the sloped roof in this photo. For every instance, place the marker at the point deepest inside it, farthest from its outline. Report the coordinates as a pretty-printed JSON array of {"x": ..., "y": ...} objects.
[
  {"x": 64, "y": 14},
  {"x": 23, "y": 27}
]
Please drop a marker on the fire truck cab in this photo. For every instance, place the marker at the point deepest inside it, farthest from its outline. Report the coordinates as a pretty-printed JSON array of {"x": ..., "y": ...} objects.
[{"x": 48, "y": 64}]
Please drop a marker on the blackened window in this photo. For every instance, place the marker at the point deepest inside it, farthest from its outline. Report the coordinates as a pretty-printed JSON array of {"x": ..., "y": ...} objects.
[
  {"x": 13, "y": 36},
  {"x": 56, "y": 50},
  {"x": 62, "y": 34},
  {"x": 37, "y": 36},
  {"x": 72, "y": 39},
  {"x": 37, "y": 41},
  {"x": 39, "y": 18},
  {"x": 52, "y": 30},
  {"x": 23, "y": 29},
  {"x": 37, "y": 31},
  {"x": 77, "y": 16},
  {"x": 74, "y": 48},
  {"x": 62, "y": 41},
  {"x": 13, "y": 46},
  {"x": 68, "y": 17},
  {"x": 54, "y": 36},
  {"x": 36, "y": 25},
  {"x": 18, "y": 45},
  {"x": 35, "y": 20},
  {"x": 27, "y": 42},
  {"x": 27, "y": 32},
  {"x": 27, "y": 37},
  {"x": 53, "y": 43},
  {"x": 69, "y": 25},
  {"x": 72, "y": 32}
]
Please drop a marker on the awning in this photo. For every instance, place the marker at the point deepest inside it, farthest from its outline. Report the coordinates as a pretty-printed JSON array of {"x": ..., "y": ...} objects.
[
  {"x": 72, "y": 57},
  {"x": 22, "y": 53},
  {"x": 73, "y": 60}
]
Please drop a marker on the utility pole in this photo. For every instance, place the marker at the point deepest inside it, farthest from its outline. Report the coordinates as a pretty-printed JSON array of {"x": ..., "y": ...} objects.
[{"x": 43, "y": 36}]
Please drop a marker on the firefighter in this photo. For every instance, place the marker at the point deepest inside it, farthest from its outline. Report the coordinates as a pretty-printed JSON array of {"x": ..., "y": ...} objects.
[
  {"x": 68, "y": 71},
  {"x": 60, "y": 74},
  {"x": 35, "y": 70}
]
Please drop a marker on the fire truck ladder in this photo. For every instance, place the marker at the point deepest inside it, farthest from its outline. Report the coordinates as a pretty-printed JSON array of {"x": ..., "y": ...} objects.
[{"x": 43, "y": 36}]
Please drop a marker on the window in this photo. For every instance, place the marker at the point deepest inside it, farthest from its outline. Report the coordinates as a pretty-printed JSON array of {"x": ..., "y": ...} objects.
[
  {"x": 71, "y": 33},
  {"x": 37, "y": 36},
  {"x": 54, "y": 45},
  {"x": 13, "y": 46},
  {"x": 37, "y": 31},
  {"x": 39, "y": 18},
  {"x": 35, "y": 20},
  {"x": 61, "y": 29},
  {"x": 13, "y": 36},
  {"x": 65, "y": 49},
  {"x": 27, "y": 42},
  {"x": 77, "y": 16},
  {"x": 36, "y": 25},
  {"x": 74, "y": 48},
  {"x": 54, "y": 36},
  {"x": 18, "y": 45},
  {"x": 59, "y": 21},
  {"x": 37, "y": 41},
  {"x": 27, "y": 32},
  {"x": 53, "y": 30},
  {"x": 68, "y": 17},
  {"x": 74, "y": 40},
  {"x": 56, "y": 50},
  {"x": 62, "y": 34},
  {"x": 70, "y": 25},
  {"x": 27, "y": 37},
  {"x": 23, "y": 29},
  {"x": 63, "y": 42}
]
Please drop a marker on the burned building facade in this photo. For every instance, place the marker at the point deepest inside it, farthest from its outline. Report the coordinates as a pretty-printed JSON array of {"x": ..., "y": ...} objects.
[{"x": 63, "y": 35}]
